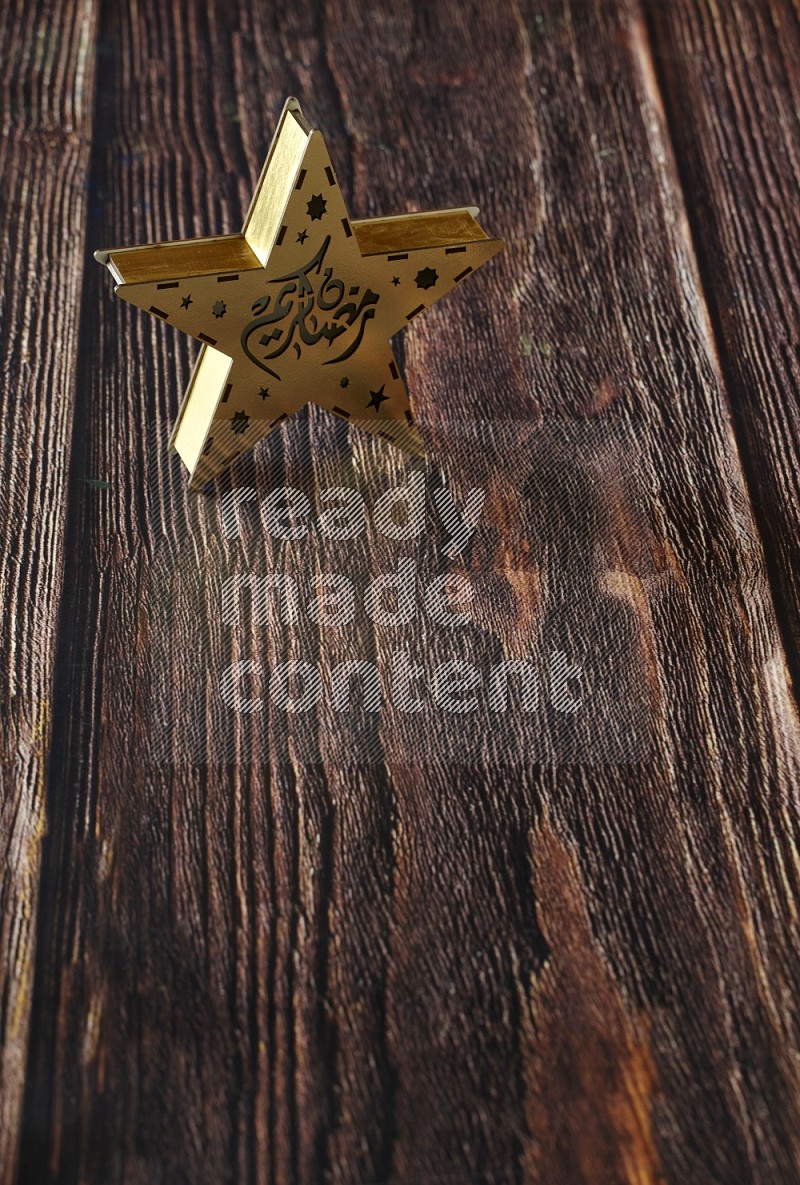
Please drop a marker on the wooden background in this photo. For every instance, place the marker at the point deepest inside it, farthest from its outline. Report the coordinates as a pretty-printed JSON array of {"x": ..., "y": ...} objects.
[{"x": 326, "y": 970}]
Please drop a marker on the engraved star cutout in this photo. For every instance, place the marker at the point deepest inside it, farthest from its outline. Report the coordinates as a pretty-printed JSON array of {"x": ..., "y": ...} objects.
[
  {"x": 426, "y": 277},
  {"x": 377, "y": 398},
  {"x": 304, "y": 321},
  {"x": 316, "y": 207}
]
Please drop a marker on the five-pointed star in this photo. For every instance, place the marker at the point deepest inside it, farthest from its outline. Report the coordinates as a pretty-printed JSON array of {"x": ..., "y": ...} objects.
[
  {"x": 302, "y": 303},
  {"x": 376, "y": 398}
]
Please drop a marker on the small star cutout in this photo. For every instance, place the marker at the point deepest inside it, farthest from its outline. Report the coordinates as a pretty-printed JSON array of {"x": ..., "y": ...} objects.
[
  {"x": 219, "y": 309},
  {"x": 264, "y": 392},
  {"x": 345, "y": 382},
  {"x": 303, "y": 235},
  {"x": 239, "y": 422},
  {"x": 377, "y": 398},
  {"x": 426, "y": 277},
  {"x": 395, "y": 280},
  {"x": 316, "y": 207},
  {"x": 187, "y": 300}
]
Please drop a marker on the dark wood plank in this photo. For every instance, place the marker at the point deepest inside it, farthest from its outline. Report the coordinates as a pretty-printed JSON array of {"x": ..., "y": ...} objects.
[
  {"x": 364, "y": 953},
  {"x": 731, "y": 81},
  {"x": 46, "y": 94},
  {"x": 648, "y": 978}
]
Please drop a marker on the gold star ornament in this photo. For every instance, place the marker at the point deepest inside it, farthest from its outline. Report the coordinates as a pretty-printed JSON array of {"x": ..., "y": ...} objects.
[{"x": 300, "y": 307}]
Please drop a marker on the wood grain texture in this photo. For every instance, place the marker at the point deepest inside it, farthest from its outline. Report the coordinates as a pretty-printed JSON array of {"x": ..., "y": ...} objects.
[
  {"x": 46, "y": 100},
  {"x": 357, "y": 954},
  {"x": 731, "y": 79}
]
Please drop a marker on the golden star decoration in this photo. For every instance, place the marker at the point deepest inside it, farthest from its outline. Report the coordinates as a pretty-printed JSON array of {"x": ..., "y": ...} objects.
[{"x": 300, "y": 307}]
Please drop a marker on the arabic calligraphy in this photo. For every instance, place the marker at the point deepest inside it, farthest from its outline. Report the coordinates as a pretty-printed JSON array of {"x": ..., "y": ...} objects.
[{"x": 310, "y": 308}]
